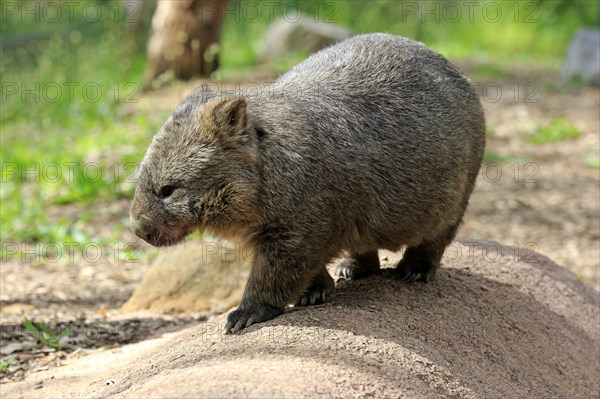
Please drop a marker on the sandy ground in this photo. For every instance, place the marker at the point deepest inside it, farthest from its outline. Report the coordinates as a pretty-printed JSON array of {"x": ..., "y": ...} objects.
[
  {"x": 507, "y": 331},
  {"x": 542, "y": 198},
  {"x": 545, "y": 198}
]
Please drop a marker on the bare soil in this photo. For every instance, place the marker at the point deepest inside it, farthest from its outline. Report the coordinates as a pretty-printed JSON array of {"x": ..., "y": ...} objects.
[{"x": 507, "y": 331}]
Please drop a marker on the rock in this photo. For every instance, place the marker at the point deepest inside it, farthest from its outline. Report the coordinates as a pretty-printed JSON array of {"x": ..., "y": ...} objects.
[
  {"x": 583, "y": 57},
  {"x": 197, "y": 276},
  {"x": 531, "y": 333},
  {"x": 285, "y": 37}
]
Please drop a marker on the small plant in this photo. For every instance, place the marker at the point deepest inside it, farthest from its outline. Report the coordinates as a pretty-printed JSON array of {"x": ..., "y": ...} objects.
[
  {"x": 593, "y": 160},
  {"x": 488, "y": 70},
  {"x": 45, "y": 335},
  {"x": 492, "y": 157},
  {"x": 557, "y": 130},
  {"x": 490, "y": 131},
  {"x": 7, "y": 362}
]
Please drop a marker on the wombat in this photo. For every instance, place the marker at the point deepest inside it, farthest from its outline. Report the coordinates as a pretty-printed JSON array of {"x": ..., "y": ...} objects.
[{"x": 374, "y": 142}]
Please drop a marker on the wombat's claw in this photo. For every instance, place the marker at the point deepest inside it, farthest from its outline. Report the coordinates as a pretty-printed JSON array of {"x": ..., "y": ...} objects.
[
  {"x": 321, "y": 286},
  {"x": 346, "y": 269},
  {"x": 347, "y": 273},
  {"x": 350, "y": 270},
  {"x": 314, "y": 298},
  {"x": 245, "y": 316},
  {"x": 415, "y": 272},
  {"x": 412, "y": 277}
]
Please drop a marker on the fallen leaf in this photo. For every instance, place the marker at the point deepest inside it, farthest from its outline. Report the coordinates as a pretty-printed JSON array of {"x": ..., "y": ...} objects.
[
  {"x": 17, "y": 308},
  {"x": 11, "y": 348}
]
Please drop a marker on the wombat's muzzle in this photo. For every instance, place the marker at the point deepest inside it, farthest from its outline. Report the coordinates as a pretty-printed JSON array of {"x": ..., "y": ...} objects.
[
  {"x": 154, "y": 233},
  {"x": 142, "y": 228}
]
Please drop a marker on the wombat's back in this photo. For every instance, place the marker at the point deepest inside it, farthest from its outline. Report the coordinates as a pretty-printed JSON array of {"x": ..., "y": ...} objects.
[
  {"x": 394, "y": 134},
  {"x": 389, "y": 78}
]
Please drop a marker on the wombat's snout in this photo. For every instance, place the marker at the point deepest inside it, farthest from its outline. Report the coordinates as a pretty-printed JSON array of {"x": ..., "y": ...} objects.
[
  {"x": 142, "y": 228},
  {"x": 154, "y": 231}
]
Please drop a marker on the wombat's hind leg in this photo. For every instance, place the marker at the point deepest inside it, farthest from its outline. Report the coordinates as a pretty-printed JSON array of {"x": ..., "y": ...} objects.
[
  {"x": 416, "y": 265},
  {"x": 359, "y": 266},
  {"x": 320, "y": 287},
  {"x": 421, "y": 262}
]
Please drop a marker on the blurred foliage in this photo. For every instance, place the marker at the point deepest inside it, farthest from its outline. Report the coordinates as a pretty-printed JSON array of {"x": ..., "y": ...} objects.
[
  {"x": 8, "y": 361},
  {"x": 535, "y": 31},
  {"x": 46, "y": 54},
  {"x": 555, "y": 131},
  {"x": 492, "y": 157},
  {"x": 65, "y": 81},
  {"x": 593, "y": 160},
  {"x": 63, "y": 132}
]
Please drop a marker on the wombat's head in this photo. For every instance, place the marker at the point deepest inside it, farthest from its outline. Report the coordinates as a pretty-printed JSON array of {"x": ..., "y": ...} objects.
[{"x": 200, "y": 172}]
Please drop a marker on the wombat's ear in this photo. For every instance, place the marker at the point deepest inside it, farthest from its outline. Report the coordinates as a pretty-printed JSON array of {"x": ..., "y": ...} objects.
[{"x": 228, "y": 115}]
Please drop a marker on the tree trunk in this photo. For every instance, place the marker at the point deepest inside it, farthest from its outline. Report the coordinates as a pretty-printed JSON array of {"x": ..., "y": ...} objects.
[
  {"x": 184, "y": 39},
  {"x": 137, "y": 15}
]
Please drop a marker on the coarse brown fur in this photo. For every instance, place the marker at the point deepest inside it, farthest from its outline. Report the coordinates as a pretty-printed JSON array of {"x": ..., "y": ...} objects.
[{"x": 372, "y": 143}]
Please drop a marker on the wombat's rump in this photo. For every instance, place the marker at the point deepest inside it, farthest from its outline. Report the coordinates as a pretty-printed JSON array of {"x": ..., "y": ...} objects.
[{"x": 373, "y": 143}]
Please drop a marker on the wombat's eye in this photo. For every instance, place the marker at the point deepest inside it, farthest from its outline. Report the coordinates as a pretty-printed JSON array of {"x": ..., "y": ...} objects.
[{"x": 166, "y": 191}]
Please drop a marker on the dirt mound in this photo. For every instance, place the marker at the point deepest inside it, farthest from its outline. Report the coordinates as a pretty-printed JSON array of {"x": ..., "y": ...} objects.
[
  {"x": 198, "y": 276},
  {"x": 502, "y": 326}
]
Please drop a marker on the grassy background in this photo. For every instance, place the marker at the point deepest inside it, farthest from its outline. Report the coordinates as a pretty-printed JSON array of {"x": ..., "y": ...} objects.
[
  {"x": 57, "y": 128},
  {"x": 526, "y": 31}
]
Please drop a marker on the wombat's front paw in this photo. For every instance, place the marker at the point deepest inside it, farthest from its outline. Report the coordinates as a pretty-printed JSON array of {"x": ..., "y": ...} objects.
[
  {"x": 246, "y": 315},
  {"x": 412, "y": 271},
  {"x": 320, "y": 287}
]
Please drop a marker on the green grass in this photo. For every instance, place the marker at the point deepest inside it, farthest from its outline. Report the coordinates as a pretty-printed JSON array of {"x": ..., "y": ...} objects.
[
  {"x": 68, "y": 140},
  {"x": 554, "y": 132},
  {"x": 529, "y": 31},
  {"x": 492, "y": 157},
  {"x": 593, "y": 160},
  {"x": 490, "y": 71},
  {"x": 45, "y": 334},
  {"x": 71, "y": 168},
  {"x": 7, "y": 362},
  {"x": 572, "y": 85}
]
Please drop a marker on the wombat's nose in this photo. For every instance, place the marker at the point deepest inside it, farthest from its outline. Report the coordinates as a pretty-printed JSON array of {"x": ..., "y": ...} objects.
[{"x": 140, "y": 228}]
